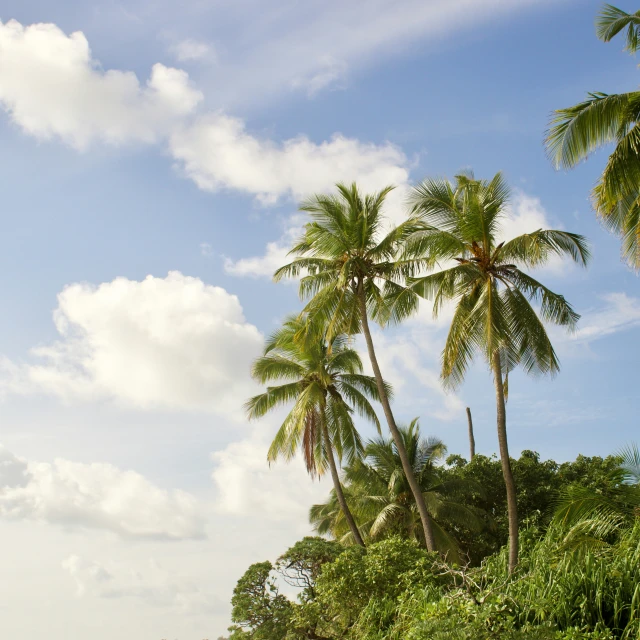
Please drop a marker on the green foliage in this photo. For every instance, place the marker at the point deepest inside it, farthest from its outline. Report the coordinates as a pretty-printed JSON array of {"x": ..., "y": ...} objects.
[
  {"x": 538, "y": 485},
  {"x": 381, "y": 500},
  {"x": 301, "y": 564},
  {"x": 395, "y": 590},
  {"x": 259, "y": 610},
  {"x": 576, "y": 132},
  {"x": 361, "y": 588}
]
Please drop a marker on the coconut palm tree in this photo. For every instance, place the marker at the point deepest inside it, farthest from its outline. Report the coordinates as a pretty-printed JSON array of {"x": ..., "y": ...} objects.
[
  {"x": 324, "y": 380},
  {"x": 348, "y": 264},
  {"x": 492, "y": 295},
  {"x": 382, "y": 501},
  {"x": 577, "y": 131}
]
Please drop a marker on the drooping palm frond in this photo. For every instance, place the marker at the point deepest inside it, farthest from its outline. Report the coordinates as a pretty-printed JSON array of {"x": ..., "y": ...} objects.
[
  {"x": 493, "y": 296},
  {"x": 576, "y": 132},
  {"x": 611, "y": 21},
  {"x": 589, "y": 518},
  {"x": 323, "y": 380}
]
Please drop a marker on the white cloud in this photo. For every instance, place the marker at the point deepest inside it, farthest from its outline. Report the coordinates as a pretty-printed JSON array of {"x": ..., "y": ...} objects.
[
  {"x": 331, "y": 75},
  {"x": 410, "y": 362},
  {"x": 275, "y": 256},
  {"x": 189, "y": 50},
  {"x": 293, "y": 40},
  {"x": 152, "y": 584},
  {"x": 248, "y": 486},
  {"x": 52, "y": 87},
  {"x": 206, "y": 249},
  {"x": 171, "y": 342},
  {"x": 95, "y": 496},
  {"x": 217, "y": 152},
  {"x": 620, "y": 313}
]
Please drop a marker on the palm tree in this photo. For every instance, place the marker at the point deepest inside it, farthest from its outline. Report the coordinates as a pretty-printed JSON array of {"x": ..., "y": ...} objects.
[
  {"x": 492, "y": 295},
  {"x": 575, "y": 132},
  {"x": 589, "y": 518},
  {"x": 350, "y": 268},
  {"x": 381, "y": 497},
  {"x": 324, "y": 380}
]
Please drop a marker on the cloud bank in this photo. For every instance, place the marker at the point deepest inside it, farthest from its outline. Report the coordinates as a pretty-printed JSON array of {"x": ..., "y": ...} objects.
[{"x": 95, "y": 496}]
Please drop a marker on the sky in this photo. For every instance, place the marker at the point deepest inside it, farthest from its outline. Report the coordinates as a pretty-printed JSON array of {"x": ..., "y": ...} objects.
[{"x": 152, "y": 157}]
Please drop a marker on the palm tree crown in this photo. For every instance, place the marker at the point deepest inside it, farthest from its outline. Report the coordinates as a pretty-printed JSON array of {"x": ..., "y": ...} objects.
[
  {"x": 324, "y": 380},
  {"x": 577, "y": 131},
  {"x": 345, "y": 247},
  {"x": 493, "y": 295}
]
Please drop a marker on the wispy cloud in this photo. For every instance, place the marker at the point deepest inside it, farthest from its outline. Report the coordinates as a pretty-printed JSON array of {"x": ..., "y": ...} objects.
[
  {"x": 190, "y": 50},
  {"x": 620, "y": 312}
]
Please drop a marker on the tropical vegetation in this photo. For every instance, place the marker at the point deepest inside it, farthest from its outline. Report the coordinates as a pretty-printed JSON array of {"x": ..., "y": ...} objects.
[{"x": 414, "y": 543}]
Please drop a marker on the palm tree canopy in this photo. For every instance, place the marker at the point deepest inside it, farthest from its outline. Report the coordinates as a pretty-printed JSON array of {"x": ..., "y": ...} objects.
[
  {"x": 577, "y": 131},
  {"x": 346, "y": 245},
  {"x": 461, "y": 224},
  {"x": 324, "y": 381},
  {"x": 381, "y": 500}
]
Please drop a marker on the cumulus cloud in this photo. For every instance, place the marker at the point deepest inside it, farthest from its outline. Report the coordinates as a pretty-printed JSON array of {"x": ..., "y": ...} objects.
[
  {"x": 171, "y": 342},
  {"x": 95, "y": 496},
  {"x": 217, "y": 152},
  {"x": 151, "y": 584},
  {"x": 52, "y": 87}
]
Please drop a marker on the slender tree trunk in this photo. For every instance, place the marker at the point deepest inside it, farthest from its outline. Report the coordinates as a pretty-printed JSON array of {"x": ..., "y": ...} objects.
[
  {"x": 338, "y": 487},
  {"x": 395, "y": 433},
  {"x": 472, "y": 440},
  {"x": 512, "y": 505}
]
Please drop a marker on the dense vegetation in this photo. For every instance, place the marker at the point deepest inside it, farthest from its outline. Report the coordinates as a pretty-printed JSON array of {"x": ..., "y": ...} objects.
[
  {"x": 418, "y": 545},
  {"x": 578, "y": 575}
]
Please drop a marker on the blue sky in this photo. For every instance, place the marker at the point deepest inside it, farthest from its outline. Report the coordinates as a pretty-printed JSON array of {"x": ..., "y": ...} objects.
[{"x": 127, "y": 462}]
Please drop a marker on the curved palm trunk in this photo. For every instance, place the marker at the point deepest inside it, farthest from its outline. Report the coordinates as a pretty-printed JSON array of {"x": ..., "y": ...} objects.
[
  {"x": 338, "y": 488},
  {"x": 386, "y": 406},
  {"x": 512, "y": 505},
  {"x": 472, "y": 440}
]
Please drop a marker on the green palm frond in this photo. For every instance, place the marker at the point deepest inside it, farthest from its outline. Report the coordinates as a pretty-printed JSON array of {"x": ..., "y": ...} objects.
[
  {"x": 380, "y": 498},
  {"x": 576, "y": 132},
  {"x": 611, "y": 21},
  {"x": 630, "y": 463},
  {"x": 490, "y": 292},
  {"x": 326, "y": 389},
  {"x": 534, "y": 249}
]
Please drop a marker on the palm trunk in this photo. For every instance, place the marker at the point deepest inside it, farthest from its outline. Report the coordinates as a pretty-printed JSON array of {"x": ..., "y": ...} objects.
[
  {"x": 512, "y": 505},
  {"x": 338, "y": 488},
  {"x": 395, "y": 433},
  {"x": 472, "y": 440}
]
